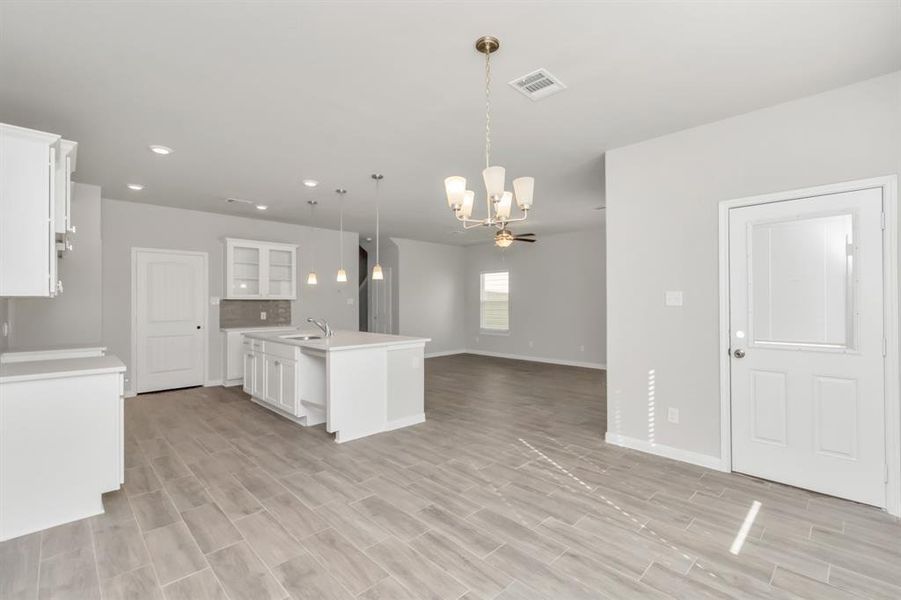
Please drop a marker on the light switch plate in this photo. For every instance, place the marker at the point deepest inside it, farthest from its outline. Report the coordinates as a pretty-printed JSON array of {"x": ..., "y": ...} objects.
[
  {"x": 350, "y": 300},
  {"x": 214, "y": 300},
  {"x": 673, "y": 298},
  {"x": 262, "y": 315},
  {"x": 672, "y": 415}
]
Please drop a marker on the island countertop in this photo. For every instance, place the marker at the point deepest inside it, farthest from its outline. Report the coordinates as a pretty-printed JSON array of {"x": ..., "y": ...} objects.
[{"x": 341, "y": 340}]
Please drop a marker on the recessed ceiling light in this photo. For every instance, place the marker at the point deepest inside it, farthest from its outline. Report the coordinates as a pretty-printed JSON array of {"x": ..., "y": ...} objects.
[
  {"x": 162, "y": 150},
  {"x": 135, "y": 187},
  {"x": 310, "y": 182},
  {"x": 262, "y": 207}
]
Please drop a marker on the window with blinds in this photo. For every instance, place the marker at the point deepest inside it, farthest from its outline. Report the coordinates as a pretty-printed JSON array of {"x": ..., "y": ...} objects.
[{"x": 494, "y": 301}]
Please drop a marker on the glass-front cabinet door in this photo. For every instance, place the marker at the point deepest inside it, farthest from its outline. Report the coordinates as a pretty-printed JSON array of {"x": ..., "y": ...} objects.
[
  {"x": 281, "y": 272},
  {"x": 260, "y": 270},
  {"x": 245, "y": 262}
]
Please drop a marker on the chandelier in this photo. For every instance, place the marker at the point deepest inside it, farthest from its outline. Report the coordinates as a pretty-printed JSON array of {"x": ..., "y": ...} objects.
[{"x": 498, "y": 201}]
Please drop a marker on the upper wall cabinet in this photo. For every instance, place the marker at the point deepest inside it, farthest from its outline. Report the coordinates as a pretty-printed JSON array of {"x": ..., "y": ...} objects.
[
  {"x": 260, "y": 270},
  {"x": 65, "y": 166},
  {"x": 30, "y": 181}
]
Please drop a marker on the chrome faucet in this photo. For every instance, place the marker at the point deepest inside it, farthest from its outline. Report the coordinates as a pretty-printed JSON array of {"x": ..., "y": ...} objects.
[{"x": 323, "y": 325}]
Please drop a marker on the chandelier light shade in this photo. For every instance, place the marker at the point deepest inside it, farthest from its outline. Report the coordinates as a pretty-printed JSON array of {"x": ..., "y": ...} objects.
[
  {"x": 494, "y": 181},
  {"x": 523, "y": 187},
  {"x": 342, "y": 276},
  {"x": 468, "y": 198},
  {"x": 455, "y": 187},
  {"x": 377, "y": 271},
  {"x": 312, "y": 279},
  {"x": 499, "y": 202}
]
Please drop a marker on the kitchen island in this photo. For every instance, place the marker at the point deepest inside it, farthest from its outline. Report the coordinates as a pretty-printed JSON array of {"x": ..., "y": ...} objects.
[
  {"x": 61, "y": 436},
  {"x": 357, "y": 383}
]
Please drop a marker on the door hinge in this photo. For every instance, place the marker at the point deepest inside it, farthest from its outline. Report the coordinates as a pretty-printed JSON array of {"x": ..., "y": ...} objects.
[
  {"x": 883, "y": 220},
  {"x": 884, "y": 346}
]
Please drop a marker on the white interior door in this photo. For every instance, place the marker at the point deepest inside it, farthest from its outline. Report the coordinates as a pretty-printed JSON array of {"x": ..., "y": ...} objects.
[
  {"x": 806, "y": 320},
  {"x": 381, "y": 303},
  {"x": 170, "y": 319}
]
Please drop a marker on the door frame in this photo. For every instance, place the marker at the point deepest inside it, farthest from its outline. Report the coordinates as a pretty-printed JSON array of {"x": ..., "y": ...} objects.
[
  {"x": 889, "y": 186},
  {"x": 205, "y": 316}
]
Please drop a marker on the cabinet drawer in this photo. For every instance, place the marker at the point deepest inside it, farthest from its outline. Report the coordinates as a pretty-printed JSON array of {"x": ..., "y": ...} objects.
[{"x": 280, "y": 350}]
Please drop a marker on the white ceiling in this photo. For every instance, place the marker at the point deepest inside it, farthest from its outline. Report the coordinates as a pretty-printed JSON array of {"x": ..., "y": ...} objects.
[{"x": 255, "y": 96}]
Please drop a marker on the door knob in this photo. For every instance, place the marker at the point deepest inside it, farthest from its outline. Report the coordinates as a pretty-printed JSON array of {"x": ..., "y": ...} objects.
[{"x": 739, "y": 353}]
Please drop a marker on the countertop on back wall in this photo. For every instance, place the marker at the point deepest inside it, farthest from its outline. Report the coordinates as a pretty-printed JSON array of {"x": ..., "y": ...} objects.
[{"x": 259, "y": 328}]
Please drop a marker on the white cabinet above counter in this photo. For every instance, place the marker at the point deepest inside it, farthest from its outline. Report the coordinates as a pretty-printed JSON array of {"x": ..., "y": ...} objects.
[
  {"x": 357, "y": 383},
  {"x": 35, "y": 201},
  {"x": 257, "y": 270}
]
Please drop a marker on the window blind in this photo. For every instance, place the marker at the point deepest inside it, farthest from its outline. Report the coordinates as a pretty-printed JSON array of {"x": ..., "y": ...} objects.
[{"x": 494, "y": 309}]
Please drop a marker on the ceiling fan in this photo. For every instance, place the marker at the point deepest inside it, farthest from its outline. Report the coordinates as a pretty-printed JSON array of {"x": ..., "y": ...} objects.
[{"x": 505, "y": 237}]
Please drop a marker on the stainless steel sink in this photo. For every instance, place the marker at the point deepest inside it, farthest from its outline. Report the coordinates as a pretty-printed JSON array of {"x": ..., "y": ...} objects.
[{"x": 301, "y": 337}]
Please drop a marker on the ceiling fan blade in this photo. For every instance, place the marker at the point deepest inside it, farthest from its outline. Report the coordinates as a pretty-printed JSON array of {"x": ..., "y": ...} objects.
[
  {"x": 519, "y": 239},
  {"x": 525, "y": 235}
]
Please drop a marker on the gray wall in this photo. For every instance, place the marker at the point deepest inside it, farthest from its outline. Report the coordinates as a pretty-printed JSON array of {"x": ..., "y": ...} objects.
[
  {"x": 557, "y": 298},
  {"x": 430, "y": 293},
  {"x": 74, "y": 317},
  {"x": 662, "y": 229},
  {"x": 384, "y": 308},
  {"x": 127, "y": 224},
  {"x": 4, "y": 319}
]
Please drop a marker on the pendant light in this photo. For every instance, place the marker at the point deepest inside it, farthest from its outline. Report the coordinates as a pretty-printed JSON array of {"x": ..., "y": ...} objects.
[
  {"x": 377, "y": 269},
  {"x": 342, "y": 274},
  {"x": 311, "y": 277}
]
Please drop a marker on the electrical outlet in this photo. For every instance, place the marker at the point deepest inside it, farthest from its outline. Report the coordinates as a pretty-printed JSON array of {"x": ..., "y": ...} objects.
[
  {"x": 262, "y": 315},
  {"x": 672, "y": 415},
  {"x": 477, "y": 339},
  {"x": 531, "y": 344},
  {"x": 350, "y": 301},
  {"x": 582, "y": 348}
]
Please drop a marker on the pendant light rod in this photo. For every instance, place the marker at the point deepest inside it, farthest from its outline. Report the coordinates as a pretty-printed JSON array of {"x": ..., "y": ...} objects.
[
  {"x": 312, "y": 279},
  {"x": 377, "y": 269},
  {"x": 342, "y": 274}
]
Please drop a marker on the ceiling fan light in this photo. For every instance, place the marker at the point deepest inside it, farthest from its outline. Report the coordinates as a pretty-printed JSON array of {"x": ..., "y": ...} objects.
[
  {"x": 312, "y": 279},
  {"x": 455, "y": 187},
  {"x": 342, "y": 276},
  {"x": 505, "y": 206},
  {"x": 503, "y": 238},
  {"x": 494, "y": 181},
  {"x": 377, "y": 272},
  {"x": 524, "y": 187},
  {"x": 468, "y": 198}
]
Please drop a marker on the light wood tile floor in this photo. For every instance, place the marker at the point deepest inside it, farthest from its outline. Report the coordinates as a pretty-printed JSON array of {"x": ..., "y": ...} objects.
[{"x": 507, "y": 491}]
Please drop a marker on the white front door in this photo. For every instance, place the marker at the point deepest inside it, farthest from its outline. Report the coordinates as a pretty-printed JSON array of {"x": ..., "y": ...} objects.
[
  {"x": 170, "y": 319},
  {"x": 806, "y": 326}
]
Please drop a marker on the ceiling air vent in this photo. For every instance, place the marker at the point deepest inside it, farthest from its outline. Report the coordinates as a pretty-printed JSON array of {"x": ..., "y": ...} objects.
[{"x": 537, "y": 85}]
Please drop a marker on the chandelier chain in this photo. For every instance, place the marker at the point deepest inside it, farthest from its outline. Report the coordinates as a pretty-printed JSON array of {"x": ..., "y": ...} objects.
[{"x": 487, "y": 109}]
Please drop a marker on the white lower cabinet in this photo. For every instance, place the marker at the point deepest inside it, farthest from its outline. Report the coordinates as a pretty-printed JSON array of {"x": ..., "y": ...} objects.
[
  {"x": 273, "y": 392},
  {"x": 249, "y": 368}
]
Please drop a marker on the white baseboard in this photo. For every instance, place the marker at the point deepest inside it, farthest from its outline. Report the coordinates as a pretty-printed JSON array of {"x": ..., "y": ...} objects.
[
  {"x": 212, "y": 383},
  {"x": 405, "y": 422},
  {"x": 444, "y": 353},
  {"x": 552, "y": 361},
  {"x": 695, "y": 458}
]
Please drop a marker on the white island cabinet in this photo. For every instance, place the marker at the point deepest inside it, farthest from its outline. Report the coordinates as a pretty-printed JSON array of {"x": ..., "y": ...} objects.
[
  {"x": 61, "y": 438},
  {"x": 356, "y": 383}
]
